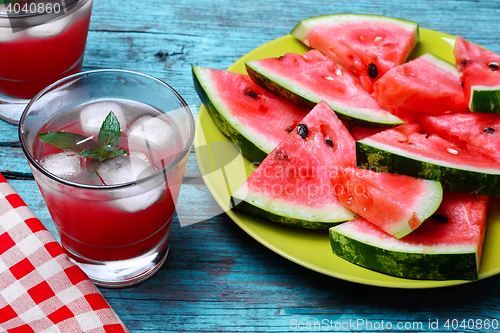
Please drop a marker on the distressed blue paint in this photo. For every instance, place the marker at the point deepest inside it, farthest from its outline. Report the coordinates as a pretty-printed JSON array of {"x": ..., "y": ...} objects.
[{"x": 217, "y": 278}]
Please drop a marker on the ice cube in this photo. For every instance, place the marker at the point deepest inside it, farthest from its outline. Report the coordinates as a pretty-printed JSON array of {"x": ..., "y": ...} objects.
[
  {"x": 7, "y": 35},
  {"x": 51, "y": 28},
  {"x": 153, "y": 132},
  {"x": 93, "y": 115},
  {"x": 124, "y": 169},
  {"x": 67, "y": 165}
]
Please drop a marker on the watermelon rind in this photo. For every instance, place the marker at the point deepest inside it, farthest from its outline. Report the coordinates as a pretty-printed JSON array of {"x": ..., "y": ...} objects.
[
  {"x": 281, "y": 212},
  {"x": 303, "y": 27},
  {"x": 375, "y": 155},
  {"x": 434, "y": 197},
  {"x": 443, "y": 64},
  {"x": 485, "y": 99},
  {"x": 252, "y": 146},
  {"x": 404, "y": 260},
  {"x": 302, "y": 95}
]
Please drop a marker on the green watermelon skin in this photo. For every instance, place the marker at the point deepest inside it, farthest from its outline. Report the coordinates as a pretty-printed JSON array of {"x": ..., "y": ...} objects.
[
  {"x": 485, "y": 99},
  {"x": 253, "y": 145},
  {"x": 451, "y": 178},
  {"x": 311, "y": 78},
  {"x": 448, "y": 246},
  {"x": 407, "y": 265},
  {"x": 264, "y": 214}
]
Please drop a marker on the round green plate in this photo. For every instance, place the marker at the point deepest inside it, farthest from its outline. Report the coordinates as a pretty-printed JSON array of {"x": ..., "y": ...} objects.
[{"x": 310, "y": 248}]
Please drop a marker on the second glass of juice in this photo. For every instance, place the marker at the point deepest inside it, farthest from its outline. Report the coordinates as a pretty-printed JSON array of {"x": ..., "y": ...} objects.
[
  {"x": 40, "y": 43},
  {"x": 113, "y": 215}
]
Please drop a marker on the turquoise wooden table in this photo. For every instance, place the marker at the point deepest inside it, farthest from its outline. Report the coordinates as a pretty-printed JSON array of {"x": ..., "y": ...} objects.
[{"x": 217, "y": 278}]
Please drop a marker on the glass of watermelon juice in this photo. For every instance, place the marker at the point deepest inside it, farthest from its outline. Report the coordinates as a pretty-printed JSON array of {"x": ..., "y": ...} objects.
[
  {"x": 108, "y": 150},
  {"x": 40, "y": 42}
]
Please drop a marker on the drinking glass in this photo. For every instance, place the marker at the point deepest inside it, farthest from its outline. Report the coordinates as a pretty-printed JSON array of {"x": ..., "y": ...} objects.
[
  {"x": 40, "y": 42},
  {"x": 117, "y": 233}
]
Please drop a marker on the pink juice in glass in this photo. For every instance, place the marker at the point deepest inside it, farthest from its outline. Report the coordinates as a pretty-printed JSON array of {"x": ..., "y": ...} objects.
[
  {"x": 34, "y": 57},
  {"x": 122, "y": 223}
]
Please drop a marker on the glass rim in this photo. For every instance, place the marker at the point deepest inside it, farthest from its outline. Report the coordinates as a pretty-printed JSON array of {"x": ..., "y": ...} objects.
[
  {"x": 64, "y": 4},
  {"x": 186, "y": 149}
]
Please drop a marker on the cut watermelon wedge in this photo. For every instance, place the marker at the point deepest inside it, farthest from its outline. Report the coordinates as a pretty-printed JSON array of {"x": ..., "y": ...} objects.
[
  {"x": 404, "y": 150},
  {"x": 292, "y": 185},
  {"x": 396, "y": 204},
  {"x": 427, "y": 84},
  {"x": 254, "y": 118},
  {"x": 366, "y": 45},
  {"x": 312, "y": 77},
  {"x": 480, "y": 75},
  {"x": 446, "y": 247}
]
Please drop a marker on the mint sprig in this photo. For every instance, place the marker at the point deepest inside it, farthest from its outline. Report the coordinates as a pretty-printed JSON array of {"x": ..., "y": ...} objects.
[{"x": 105, "y": 147}]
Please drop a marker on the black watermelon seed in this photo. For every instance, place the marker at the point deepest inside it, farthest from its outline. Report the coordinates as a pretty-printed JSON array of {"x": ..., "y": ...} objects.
[
  {"x": 493, "y": 65},
  {"x": 462, "y": 84},
  {"x": 464, "y": 63},
  {"x": 329, "y": 142},
  {"x": 289, "y": 129},
  {"x": 440, "y": 218},
  {"x": 372, "y": 71},
  {"x": 489, "y": 130},
  {"x": 281, "y": 155},
  {"x": 303, "y": 131},
  {"x": 251, "y": 93}
]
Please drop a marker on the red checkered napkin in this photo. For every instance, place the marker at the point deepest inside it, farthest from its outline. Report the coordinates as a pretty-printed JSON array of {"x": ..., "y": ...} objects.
[{"x": 40, "y": 289}]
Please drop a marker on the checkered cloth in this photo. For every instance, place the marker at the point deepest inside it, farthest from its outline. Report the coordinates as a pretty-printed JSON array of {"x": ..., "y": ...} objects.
[{"x": 40, "y": 289}]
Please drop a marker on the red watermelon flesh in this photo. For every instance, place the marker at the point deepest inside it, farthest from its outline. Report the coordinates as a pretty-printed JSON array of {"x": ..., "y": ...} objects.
[
  {"x": 265, "y": 114},
  {"x": 396, "y": 204},
  {"x": 476, "y": 65},
  {"x": 464, "y": 222},
  {"x": 412, "y": 141},
  {"x": 475, "y": 131},
  {"x": 356, "y": 41},
  {"x": 427, "y": 84}
]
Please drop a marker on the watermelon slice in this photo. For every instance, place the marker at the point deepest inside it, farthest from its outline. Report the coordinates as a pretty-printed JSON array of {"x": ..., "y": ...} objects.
[
  {"x": 292, "y": 185},
  {"x": 396, "y": 204},
  {"x": 405, "y": 150},
  {"x": 480, "y": 73},
  {"x": 254, "y": 118},
  {"x": 366, "y": 45},
  {"x": 427, "y": 84},
  {"x": 446, "y": 247},
  {"x": 310, "y": 78},
  {"x": 476, "y": 131}
]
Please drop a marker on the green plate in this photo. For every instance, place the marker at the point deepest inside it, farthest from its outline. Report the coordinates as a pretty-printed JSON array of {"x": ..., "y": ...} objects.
[{"x": 310, "y": 248}]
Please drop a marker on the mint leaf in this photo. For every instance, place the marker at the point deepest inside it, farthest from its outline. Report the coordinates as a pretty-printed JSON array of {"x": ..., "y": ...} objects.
[
  {"x": 117, "y": 152},
  {"x": 95, "y": 154},
  {"x": 68, "y": 141},
  {"x": 105, "y": 147},
  {"x": 110, "y": 133}
]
